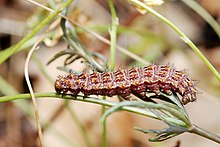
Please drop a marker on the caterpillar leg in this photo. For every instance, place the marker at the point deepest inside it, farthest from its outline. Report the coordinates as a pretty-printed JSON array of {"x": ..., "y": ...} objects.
[
  {"x": 63, "y": 93},
  {"x": 74, "y": 96},
  {"x": 143, "y": 96},
  {"x": 161, "y": 97},
  {"x": 85, "y": 96},
  {"x": 123, "y": 98}
]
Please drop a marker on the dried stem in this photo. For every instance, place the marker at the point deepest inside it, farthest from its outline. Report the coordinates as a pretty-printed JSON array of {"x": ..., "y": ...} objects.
[{"x": 32, "y": 92}]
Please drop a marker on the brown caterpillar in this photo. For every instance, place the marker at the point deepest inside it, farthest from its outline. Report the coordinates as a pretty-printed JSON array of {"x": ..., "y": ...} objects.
[{"x": 135, "y": 81}]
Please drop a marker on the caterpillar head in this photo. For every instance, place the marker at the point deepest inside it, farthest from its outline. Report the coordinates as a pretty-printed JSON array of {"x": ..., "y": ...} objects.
[{"x": 61, "y": 85}]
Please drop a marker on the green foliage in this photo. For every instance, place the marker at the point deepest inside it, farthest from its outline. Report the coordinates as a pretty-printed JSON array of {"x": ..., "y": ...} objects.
[{"x": 170, "y": 111}]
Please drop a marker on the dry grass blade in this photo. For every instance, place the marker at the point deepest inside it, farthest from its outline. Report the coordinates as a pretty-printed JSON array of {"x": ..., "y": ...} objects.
[{"x": 32, "y": 92}]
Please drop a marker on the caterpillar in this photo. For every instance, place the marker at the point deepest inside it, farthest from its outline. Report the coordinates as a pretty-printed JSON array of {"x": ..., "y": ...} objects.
[{"x": 137, "y": 81}]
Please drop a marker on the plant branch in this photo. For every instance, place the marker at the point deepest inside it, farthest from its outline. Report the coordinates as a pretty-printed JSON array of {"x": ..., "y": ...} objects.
[
  {"x": 113, "y": 34},
  {"x": 181, "y": 34},
  {"x": 89, "y": 100},
  {"x": 104, "y": 126},
  {"x": 194, "y": 129},
  {"x": 204, "y": 133},
  {"x": 78, "y": 98}
]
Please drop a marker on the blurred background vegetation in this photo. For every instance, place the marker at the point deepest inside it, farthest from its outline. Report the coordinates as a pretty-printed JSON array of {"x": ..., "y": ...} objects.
[{"x": 77, "y": 123}]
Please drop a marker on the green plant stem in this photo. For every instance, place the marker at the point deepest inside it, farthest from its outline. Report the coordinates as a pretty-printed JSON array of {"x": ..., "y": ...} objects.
[
  {"x": 113, "y": 34},
  {"x": 83, "y": 99},
  {"x": 7, "y": 89},
  {"x": 83, "y": 51},
  {"x": 204, "y": 14},
  {"x": 181, "y": 34},
  {"x": 6, "y": 55},
  {"x": 104, "y": 127},
  {"x": 201, "y": 132},
  {"x": 194, "y": 129},
  {"x": 27, "y": 44}
]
